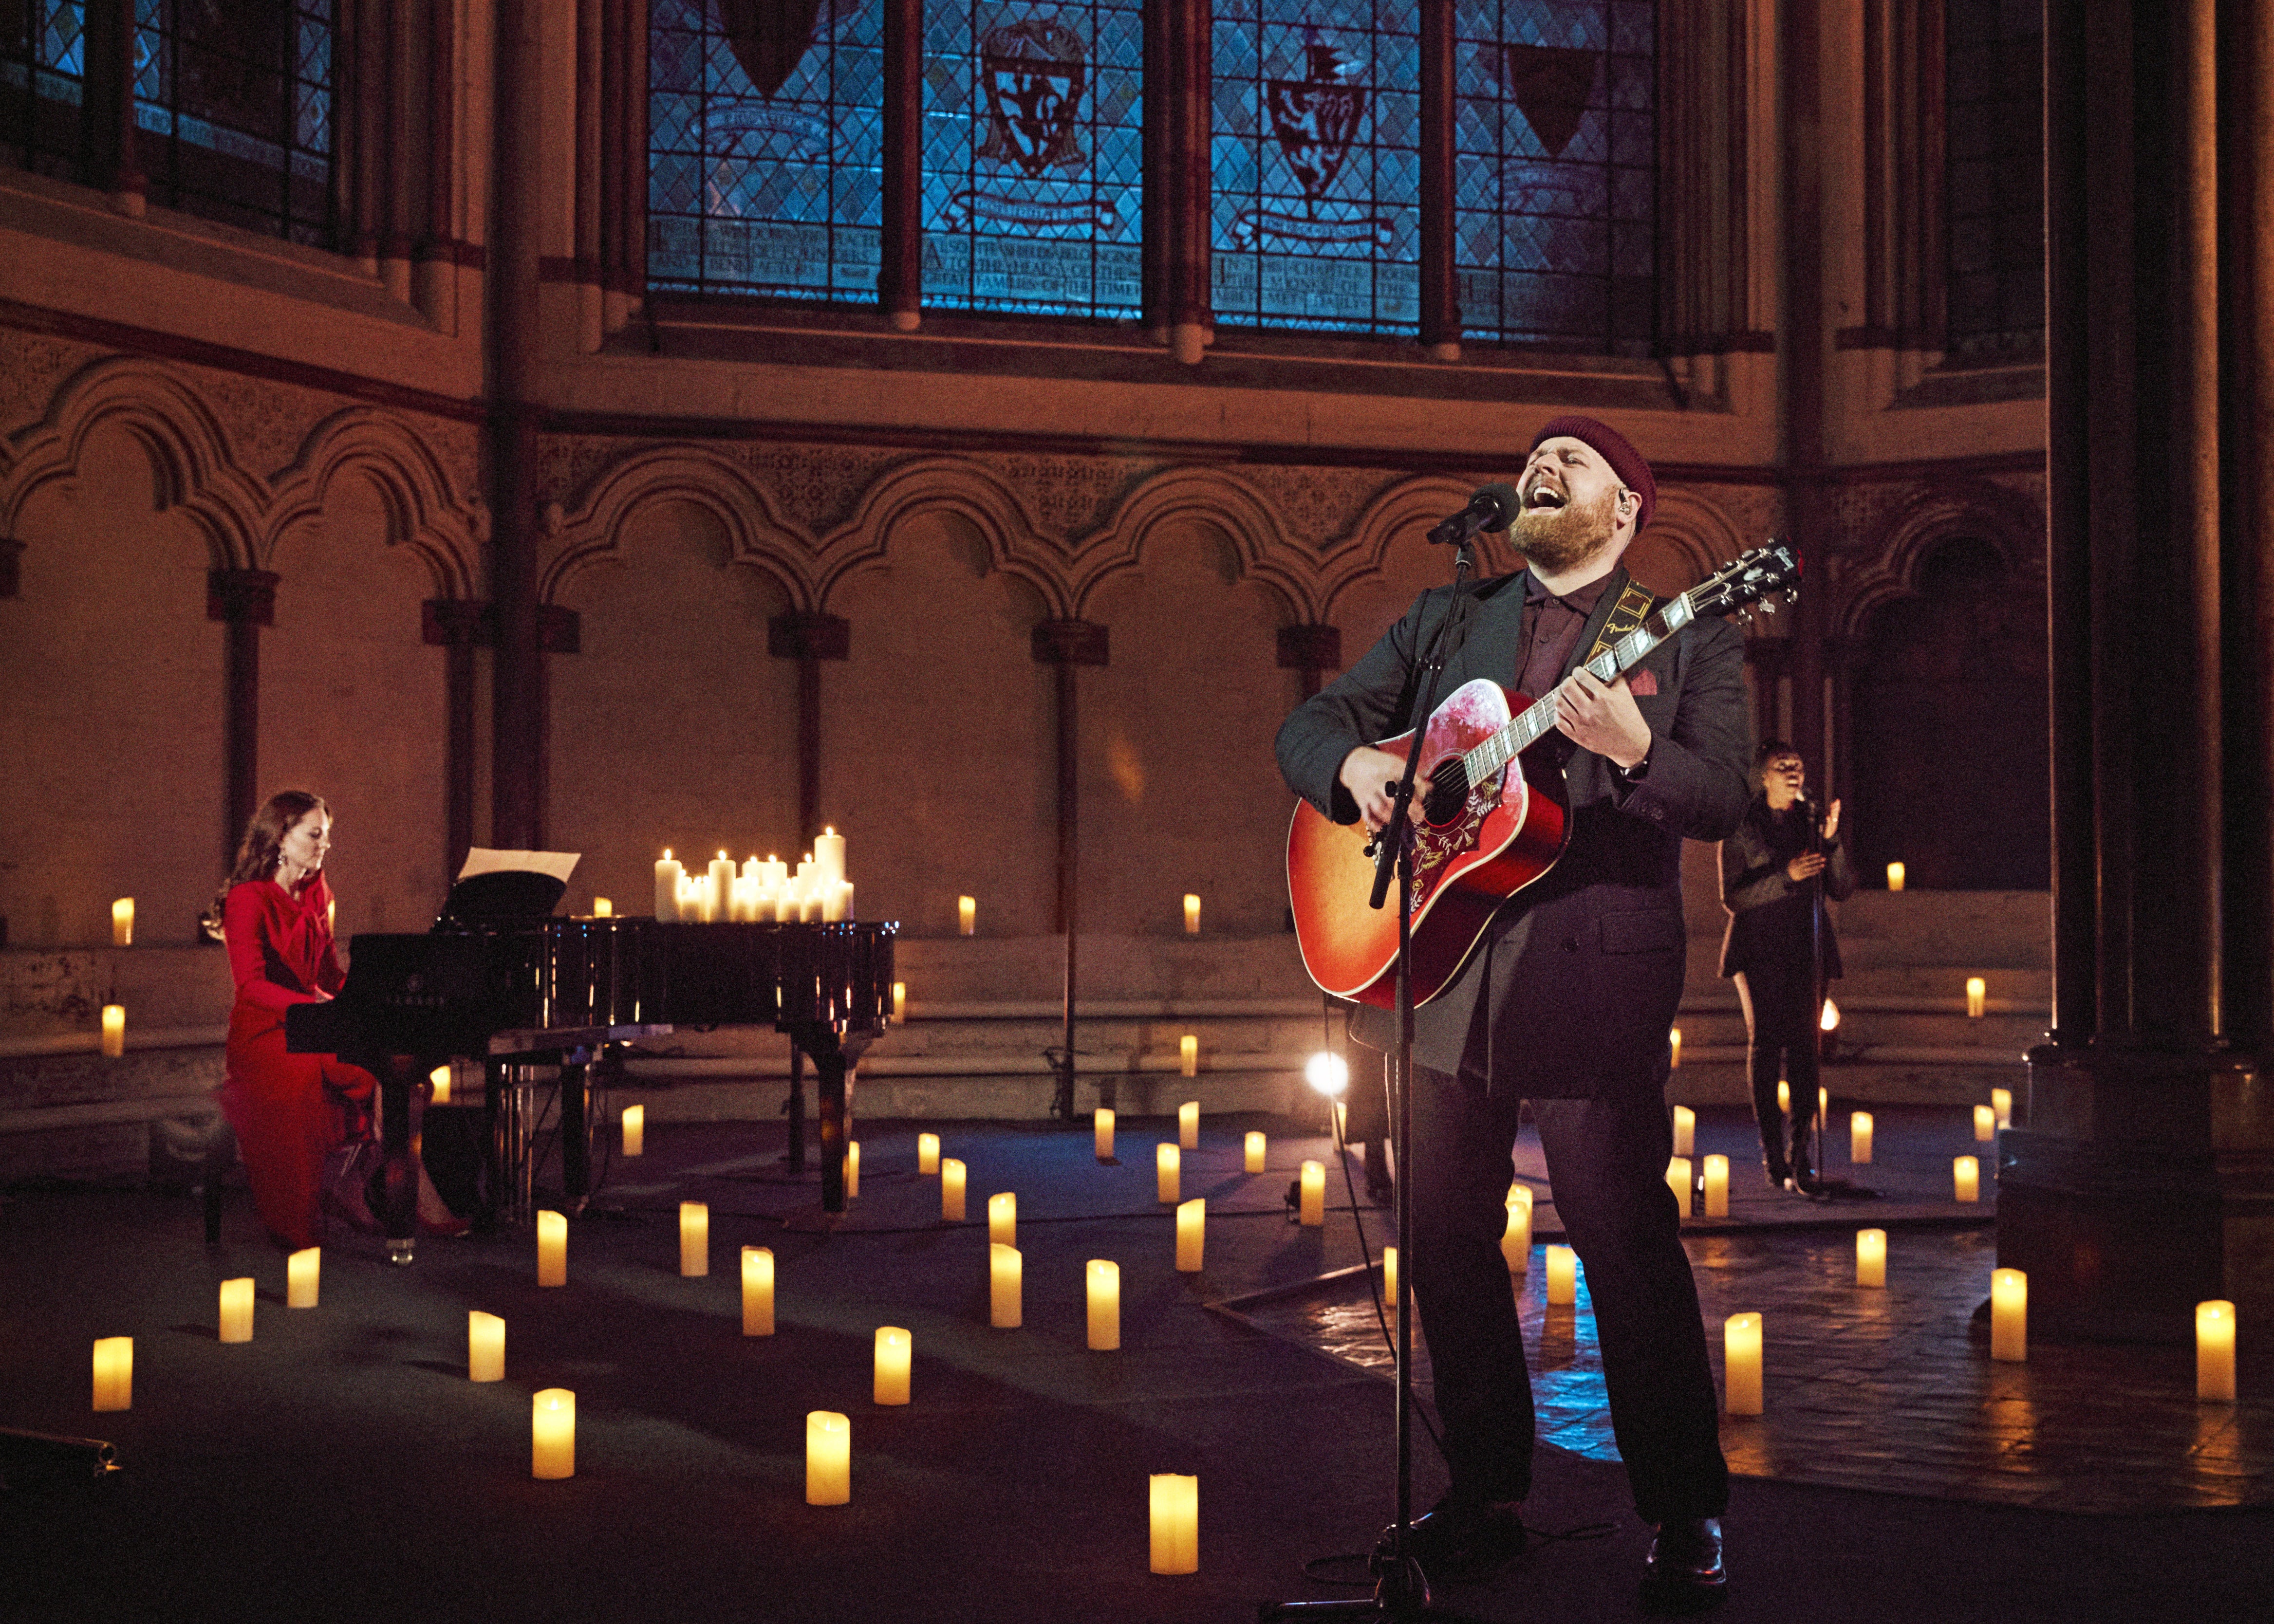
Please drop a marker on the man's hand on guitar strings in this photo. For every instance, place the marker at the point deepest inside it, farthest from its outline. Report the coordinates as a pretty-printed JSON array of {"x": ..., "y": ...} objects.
[
  {"x": 1602, "y": 717},
  {"x": 1372, "y": 775}
]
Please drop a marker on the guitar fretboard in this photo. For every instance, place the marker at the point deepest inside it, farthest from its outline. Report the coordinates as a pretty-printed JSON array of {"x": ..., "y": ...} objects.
[{"x": 1522, "y": 732}]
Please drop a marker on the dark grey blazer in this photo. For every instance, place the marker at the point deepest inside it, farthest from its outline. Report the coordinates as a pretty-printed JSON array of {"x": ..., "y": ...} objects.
[
  {"x": 1572, "y": 991},
  {"x": 1768, "y": 913}
]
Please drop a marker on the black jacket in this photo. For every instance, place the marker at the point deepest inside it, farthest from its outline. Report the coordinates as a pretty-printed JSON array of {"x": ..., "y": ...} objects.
[{"x": 1768, "y": 912}]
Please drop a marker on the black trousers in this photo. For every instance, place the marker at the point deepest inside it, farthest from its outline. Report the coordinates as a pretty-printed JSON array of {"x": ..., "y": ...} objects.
[
  {"x": 1607, "y": 1161},
  {"x": 1782, "y": 1011}
]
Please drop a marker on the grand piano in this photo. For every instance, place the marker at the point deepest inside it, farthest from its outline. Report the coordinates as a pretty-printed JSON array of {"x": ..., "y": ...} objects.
[{"x": 498, "y": 980}]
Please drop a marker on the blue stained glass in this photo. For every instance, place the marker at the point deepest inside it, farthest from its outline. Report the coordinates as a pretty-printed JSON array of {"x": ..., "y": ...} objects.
[{"x": 1316, "y": 165}]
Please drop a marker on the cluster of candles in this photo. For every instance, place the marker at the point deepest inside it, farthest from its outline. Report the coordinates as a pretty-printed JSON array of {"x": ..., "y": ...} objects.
[
  {"x": 817, "y": 892},
  {"x": 1683, "y": 1177}
]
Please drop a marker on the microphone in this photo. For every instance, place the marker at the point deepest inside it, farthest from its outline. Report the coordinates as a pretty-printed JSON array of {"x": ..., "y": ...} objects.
[{"x": 1491, "y": 508}]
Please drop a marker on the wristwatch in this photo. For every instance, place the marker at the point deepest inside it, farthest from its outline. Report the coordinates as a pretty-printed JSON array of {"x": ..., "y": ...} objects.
[{"x": 1639, "y": 770}]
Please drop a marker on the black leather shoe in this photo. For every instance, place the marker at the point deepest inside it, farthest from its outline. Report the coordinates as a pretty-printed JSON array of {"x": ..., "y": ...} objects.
[
  {"x": 1464, "y": 1538},
  {"x": 1779, "y": 1170},
  {"x": 1683, "y": 1572}
]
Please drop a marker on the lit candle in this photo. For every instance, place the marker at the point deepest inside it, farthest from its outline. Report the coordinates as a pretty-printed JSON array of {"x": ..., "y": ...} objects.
[
  {"x": 301, "y": 1273},
  {"x": 1168, "y": 1162},
  {"x": 950, "y": 1190},
  {"x": 1313, "y": 1209},
  {"x": 1872, "y": 1258},
  {"x": 718, "y": 889},
  {"x": 1175, "y": 1513},
  {"x": 2214, "y": 1352},
  {"x": 114, "y": 1373},
  {"x": 1895, "y": 876},
  {"x": 331, "y": 915},
  {"x": 927, "y": 1152},
  {"x": 1192, "y": 915},
  {"x": 552, "y": 1249},
  {"x": 1824, "y": 1106},
  {"x": 1003, "y": 1219},
  {"x": 829, "y": 856},
  {"x": 694, "y": 1239},
  {"x": 1188, "y": 1122},
  {"x": 1104, "y": 1296},
  {"x": 485, "y": 1347},
  {"x": 1784, "y": 1096},
  {"x": 967, "y": 916},
  {"x": 1685, "y": 1132},
  {"x": 852, "y": 1169},
  {"x": 900, "y": 1004},
  {"x": 237, "y": 1310},
  {"x": 114, "y": 1031},
  {"x": 757, "y": 1291},
  {"x": 1859, "y": 1138},
  {"x": 2001, "y": 1103},
  {"x": 1516, "y": 1240},
  {"x": 1103, "y": 1132},
  {"x": 552, "y": 1434},
  {"x": 1188, "y": 1055},
  {"x": 1986, "y": 1124},
  {"x": 668, "y": 874},
  {"x": 1006, "y": 1295},
  {"x": 635, "y": 1126},
  {"x": 837, "y": 901},
  {"x": 1677, "y": 1180},
  {"x": 1562, "y": 1277},
  {"x": 438, "y": 1083},
  {"x": 1976, "y": 990},
  {"x": 1717, "y": 1186},
  {"x": 828, "y": 1458},
  {"x": 2010, "y": 1315},
  {"x": 602, "y": 908},
  {"x": 1255, "y": 1148},
  {"x": 1966, "y": 1174},
  {"x": 1192, "y": 1234},
  {"x": 1673, "y": 1047},
  {"x": 122, "y": 922},
  {"x": 894, "y": 1353},
  {"x": 1740, "y": 1363},
  {"x": 1390, "y": 1274}
]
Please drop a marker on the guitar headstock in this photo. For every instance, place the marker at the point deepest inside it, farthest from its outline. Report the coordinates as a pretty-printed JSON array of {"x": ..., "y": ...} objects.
[{"x": 1763, "y": 572}]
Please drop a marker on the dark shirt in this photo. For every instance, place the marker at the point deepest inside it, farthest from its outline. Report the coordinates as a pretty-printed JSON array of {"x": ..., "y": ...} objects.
[{"x": 1552, "y": 625}]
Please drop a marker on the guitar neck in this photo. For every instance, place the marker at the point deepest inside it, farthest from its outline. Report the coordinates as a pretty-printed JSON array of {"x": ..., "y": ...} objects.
[{"x": 1522, "y": 732}]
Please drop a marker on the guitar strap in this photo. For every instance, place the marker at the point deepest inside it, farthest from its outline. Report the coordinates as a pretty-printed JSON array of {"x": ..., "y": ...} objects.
[{"x": 1627, "y": 615}]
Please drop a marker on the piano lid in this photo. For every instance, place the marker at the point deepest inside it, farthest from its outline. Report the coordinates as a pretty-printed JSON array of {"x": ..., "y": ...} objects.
[{"x": 502, "y": 887}]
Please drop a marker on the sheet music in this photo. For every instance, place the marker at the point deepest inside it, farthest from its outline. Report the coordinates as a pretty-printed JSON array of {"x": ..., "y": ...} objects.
[{"x": 559, "y": 865}]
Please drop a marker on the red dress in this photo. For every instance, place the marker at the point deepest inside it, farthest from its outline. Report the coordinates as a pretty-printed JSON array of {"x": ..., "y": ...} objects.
[{"x": 290, "y": 1111}]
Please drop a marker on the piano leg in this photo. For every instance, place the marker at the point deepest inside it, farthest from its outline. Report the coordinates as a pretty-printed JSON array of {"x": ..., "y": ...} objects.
[
  {"x": 832, "y": 1059},
  {"x": 397, "y": 1206},
  {"x": 794, "y": 1108},
  {"x": 576, "y": 1136}
]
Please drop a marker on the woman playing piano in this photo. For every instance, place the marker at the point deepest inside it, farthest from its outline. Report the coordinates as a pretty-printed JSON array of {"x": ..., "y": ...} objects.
[{"x": 293, "y": 1112}]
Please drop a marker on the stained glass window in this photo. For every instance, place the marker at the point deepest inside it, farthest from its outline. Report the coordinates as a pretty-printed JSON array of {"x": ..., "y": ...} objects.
[
  {"x": 765, "y": 134},
  {"x": 42, "y": 84},
  {"x": 1556, "y": 173},
  {"x": 1316, "y": 129},
  {"x": 1993, "y": 100},
  {"x": 233, "y": 108}
]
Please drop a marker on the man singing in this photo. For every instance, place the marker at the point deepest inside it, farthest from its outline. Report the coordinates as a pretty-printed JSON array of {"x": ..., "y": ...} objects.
[{"x": 1566, "y": 1003}]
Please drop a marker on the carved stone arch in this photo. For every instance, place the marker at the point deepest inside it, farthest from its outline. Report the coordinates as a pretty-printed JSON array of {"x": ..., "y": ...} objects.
[
  {"x": 445, "y": 528},
  {"x": 756, "y": 533},
  {"x": 1694, "y": 529},
  {"x": 190, "y": 455},
  {"x": 1965, "y": 506},
  {"x": 1015, "y": 543},
  {"x": 1212, "y": 496},
  {"x": 1361, "y": 556}
]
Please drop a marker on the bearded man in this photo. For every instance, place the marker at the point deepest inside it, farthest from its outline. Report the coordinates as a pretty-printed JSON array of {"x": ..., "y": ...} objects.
[{"x": 1565, "y": 1002}]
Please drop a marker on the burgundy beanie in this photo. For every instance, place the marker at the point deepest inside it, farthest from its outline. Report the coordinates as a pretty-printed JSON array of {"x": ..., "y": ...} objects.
[{"x": 1625, "y": 461}]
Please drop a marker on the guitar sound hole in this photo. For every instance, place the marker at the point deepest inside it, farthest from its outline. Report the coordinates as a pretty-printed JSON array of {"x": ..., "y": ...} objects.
[{"x": 1449, "y": 794}]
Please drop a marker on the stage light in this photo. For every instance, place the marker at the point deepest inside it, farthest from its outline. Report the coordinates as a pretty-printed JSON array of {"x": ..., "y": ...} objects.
[{"x": 1328, "y": 1072}]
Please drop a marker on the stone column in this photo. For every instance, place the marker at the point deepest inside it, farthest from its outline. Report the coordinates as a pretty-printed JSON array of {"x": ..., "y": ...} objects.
[
  {"x": 808, "y": 639},
  {"x": 1313, "y": 650},
  {"x": 1068, "y": 645},
  {"x": 900, "y": 275},
  {"x": 1440, "y": 308},
  {"x": 459, "y": 624},
  {"x": 243, "y": 600}
]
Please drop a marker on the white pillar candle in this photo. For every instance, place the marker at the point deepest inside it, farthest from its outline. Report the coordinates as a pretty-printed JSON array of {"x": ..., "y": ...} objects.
[
  {"x": 114, "y": 1373},
  {"x": 2001, "y": 1105},
  {"x": 114, "y": 1031},
  {"x": 1104, "y": 1304},
  {"x": 1741, "y": 1365},
  {"x": 1977, "y": 996},
  {"x": 1176, "y": 1524},
  {"x": 927, "y": 1152},
  {"x": 1516, "y": 1240},
  {"x": 899, "y": 1003},
  {"x": 1192, "y": 1234},
  {"x": 837, "y": 902},
  {"x": 1673, "y": 1048},
  {"x": 1784, "y": 1096},
  {"x": 552, "y": 1434},
  {"x": 1003, "y": 1219},
  {"x": 1966, "y": 1175},
  {"x": 635, "y": 1125},
  {"x": 1717, "y": 1186},
  {"x": 1895, "y": 876},
  {"x": 694, "y": 1239},
  {"x": 668, "y": 877},
  {"x": 1390, "y": 1274},
  {"x": 1005, "y": 1292},
  {"x": 852, "y": 1169},
  {"x": 2010, "y": 1315},
  {"x": 893, "y": 1355},
  {"x": 1103, "y": 1132},
  {"x": 810, "y": 903},
  {"x": 719, "y": 892},
  {"x": 1168, "y": 1163},
  {"x": 1678, "y": 1180},
  {"x": 829, "y": 855},
  {"x": 950, "y": 1190},
  {"x": 602, "y": 908},
  {"x": 828, "y": 1458},
  {"x": 122, "y": 922},
  {"x": 757, "y": 1291},
  {"x": 552, "y": 1249},
  {"x": 1192, "y": 915},
  {"x": 1188, "y": 1123},
  {"x": 1188, "y": 1055},
  {"x": 1562, "y": 1277},
  {"x": 1859, "y": 1138},
  {"x": 1872, "y": 1258},
  {"x": 438, "y": 1086},
  {"x": 1255, "y": 1150},
  {"x": 1314, "y": 1208},
  {"x": 485, "y": 1347},
  {"x": 1685, "y": 1132},
  {"x": 237, "y": 1310},
  {"x": 2214, "y": 1351},
  {"x": 1986, "y": 1124},
  {"x": 303, "y": 1270},
  {"x": 967, "y": 916}
]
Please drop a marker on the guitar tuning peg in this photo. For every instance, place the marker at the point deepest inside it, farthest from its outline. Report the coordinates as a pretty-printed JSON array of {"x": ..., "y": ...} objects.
[{"x": 1768, "y": 606}]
